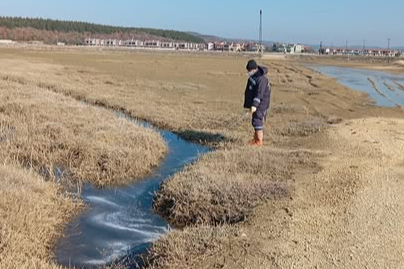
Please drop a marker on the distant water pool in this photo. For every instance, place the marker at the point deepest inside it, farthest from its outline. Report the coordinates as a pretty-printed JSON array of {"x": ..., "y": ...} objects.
[{"x": 385, "y": 89}]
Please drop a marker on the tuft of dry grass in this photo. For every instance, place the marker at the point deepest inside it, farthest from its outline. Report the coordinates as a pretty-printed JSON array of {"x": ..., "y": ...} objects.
[
  {"x": 193, "y": 246},
  {"x": 225, "y": 186},
  {"x": 32, "y": 215},
  {"x": 45, "y": 130},
  {"x": 305, "y": 128},
  {"x": 289, "y": 109}
]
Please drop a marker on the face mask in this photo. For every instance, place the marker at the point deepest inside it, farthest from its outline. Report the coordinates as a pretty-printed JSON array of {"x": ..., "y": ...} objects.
[{"x": 251, "y": 73}]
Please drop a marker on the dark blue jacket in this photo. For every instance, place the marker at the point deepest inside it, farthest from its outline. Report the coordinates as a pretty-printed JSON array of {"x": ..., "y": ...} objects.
[{"x": 258, "y": 90}]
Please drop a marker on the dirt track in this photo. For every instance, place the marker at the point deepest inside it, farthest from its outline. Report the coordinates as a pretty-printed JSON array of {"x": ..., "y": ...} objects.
[{"x": 350, "y": 214}]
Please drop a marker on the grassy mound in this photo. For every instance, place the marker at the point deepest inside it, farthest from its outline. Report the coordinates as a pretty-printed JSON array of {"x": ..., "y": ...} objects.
[
  {"x": 32, "y": 215},
  {"x": 225, "y": 186},
  {"x": 192, "y": 247},
  {"x": 47, "y": 131}
]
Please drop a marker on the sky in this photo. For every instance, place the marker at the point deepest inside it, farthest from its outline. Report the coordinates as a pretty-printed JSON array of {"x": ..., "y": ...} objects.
[{"x": 308, "y": 22}]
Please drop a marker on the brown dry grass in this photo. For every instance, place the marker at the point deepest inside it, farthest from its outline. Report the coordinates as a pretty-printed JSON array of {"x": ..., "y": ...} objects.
[
  {"x": 225, "y": 186},
  {"x": 304, "y": 128},
  {"x": 192, "y": 248},
  {"x": 200, "y": 97},
  {"x": 45, "y": 130},
  {"x": 190, "y": 95},
  {"x": 32, "y": 215}
]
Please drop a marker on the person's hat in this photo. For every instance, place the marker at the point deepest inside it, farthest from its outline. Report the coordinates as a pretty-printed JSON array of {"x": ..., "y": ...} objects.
[{"x": 251, "y": 65}]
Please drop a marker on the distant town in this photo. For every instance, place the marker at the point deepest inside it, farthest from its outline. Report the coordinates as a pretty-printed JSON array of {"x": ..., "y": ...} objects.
[
  {"x": 225, "y": 46},
  {"x": 156, "y": 44},
  {"x": 20, "y": 31}
]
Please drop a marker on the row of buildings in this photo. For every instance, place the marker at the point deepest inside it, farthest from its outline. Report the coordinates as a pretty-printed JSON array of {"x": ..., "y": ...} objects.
[
  {"x": 225, "y": 46},
  {"x": 299, "y": 48},
  {"x": 211, "y": 46},
  {"x": 362, "y": 51},
  {"x": 235, "y": 46},
  {"x": 96, "y": 42},
  {"x": 291, "y": 48}
]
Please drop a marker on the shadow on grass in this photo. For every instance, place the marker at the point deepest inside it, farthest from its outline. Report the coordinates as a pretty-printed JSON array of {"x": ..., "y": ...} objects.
[{"x": 210, "y": 139}]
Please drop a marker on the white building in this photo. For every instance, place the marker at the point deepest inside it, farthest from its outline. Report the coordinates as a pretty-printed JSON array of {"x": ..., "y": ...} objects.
[
  {"x": 297, "y": 48},
  {"x": 6, "y": 42}
]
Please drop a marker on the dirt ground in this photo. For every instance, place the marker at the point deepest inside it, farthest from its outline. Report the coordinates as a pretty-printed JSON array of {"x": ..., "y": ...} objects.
[
  {"x": 348, "y": 215},
  {"x": 334, "y": 157}
]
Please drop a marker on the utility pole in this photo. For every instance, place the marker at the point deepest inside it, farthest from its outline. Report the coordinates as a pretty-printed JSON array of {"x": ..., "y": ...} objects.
[
  {"x": 321, "y": 48},
  {"x": 364, "y": 45},
  {"x": 260, "y": 37},
  {"x": 346, "y": 49},
  {"x": 388, "y": 50}
]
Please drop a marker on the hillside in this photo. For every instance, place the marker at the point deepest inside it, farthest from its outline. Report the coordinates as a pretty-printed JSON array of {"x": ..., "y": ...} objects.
[{"x": 74, "y": 32}]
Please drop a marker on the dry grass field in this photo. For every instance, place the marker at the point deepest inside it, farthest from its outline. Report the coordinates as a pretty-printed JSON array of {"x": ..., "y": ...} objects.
[
  {"x": 239, "y": 207},
  {"x": 45, "y": 130},
  {"x": 32, "y": 215}
]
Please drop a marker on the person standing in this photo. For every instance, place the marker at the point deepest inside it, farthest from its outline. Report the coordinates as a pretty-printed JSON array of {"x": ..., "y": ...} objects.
[{"x": 257, "y": 99}]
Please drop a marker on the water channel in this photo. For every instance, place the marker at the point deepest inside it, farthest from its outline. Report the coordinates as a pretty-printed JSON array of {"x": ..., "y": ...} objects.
[{"x": 120, "y": 221}]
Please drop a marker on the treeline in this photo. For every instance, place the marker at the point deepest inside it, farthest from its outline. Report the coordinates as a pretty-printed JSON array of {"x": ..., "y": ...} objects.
[{"x": 92, "y": 29}]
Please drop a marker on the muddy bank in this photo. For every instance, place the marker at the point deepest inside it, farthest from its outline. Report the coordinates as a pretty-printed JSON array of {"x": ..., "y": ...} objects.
[
  {"x": 393, "y": 65},
  {"x": 385, "y": 89}
]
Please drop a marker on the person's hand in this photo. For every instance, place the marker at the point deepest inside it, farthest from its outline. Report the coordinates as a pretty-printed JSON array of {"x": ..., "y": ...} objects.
[{"x": 253, "y": 109}]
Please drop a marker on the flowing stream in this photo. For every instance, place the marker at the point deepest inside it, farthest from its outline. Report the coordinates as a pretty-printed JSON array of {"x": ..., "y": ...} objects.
[{"x": 120, "y": 221}]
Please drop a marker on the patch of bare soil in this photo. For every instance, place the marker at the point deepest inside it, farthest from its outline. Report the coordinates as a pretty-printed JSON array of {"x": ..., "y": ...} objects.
[{"x": 350, "y": 214}]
